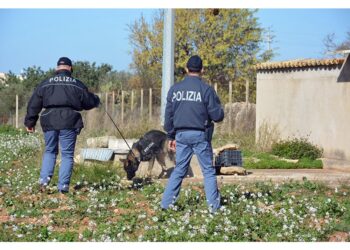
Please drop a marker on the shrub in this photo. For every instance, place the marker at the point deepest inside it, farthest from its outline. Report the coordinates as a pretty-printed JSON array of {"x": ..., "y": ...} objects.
[
  {"x": 296, "y": 149},
  {"x": 7, "y": 129}
]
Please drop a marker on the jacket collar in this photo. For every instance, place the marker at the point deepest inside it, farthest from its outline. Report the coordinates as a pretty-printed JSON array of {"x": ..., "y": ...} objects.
[
  {"x": 192, "y": 76},
  {"x": 63, "y": 72}
]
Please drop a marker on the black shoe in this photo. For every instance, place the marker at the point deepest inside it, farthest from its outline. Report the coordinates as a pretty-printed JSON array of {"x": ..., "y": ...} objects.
[{"x": 63, "y": 191}]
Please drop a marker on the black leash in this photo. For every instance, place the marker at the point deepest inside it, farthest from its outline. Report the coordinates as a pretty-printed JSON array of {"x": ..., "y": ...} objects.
[{"x": 115, "y": 125}]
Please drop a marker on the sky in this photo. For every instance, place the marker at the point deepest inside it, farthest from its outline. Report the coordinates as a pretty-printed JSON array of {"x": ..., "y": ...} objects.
[{"x": 39, "y": 37}]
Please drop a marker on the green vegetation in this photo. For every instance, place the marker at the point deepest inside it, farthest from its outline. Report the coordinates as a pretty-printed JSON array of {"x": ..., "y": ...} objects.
[
  {"x": 279, "y": 157},
  {"x": 96, "y": 78},
  {"x": 228, "y": 40},
  {"x": 263, "y": 160},
  {"x": 100, "y": 208},
  {"x": 9, "y": 130},
  {"x": 296, "y": 149}
]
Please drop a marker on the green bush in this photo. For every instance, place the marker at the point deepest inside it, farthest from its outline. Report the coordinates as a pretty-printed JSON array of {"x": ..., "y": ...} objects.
[
  {"x": 7, "y": 129},
  {"x": 296, "y": 149}
]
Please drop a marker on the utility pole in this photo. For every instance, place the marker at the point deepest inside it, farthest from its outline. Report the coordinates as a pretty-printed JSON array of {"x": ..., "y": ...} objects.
[{"x": 168, "y": 58}]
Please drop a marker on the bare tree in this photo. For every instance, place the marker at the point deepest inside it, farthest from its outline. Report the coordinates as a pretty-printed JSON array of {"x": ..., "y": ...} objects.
[
  {"x": 333, "y": 48},
  {"x": 346, "y": 44}
]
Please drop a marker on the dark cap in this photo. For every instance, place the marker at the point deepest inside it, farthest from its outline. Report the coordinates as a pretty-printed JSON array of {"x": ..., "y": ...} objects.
[
  {"x": 194, "y": 64},
  {"x": 64, "y": 61}
]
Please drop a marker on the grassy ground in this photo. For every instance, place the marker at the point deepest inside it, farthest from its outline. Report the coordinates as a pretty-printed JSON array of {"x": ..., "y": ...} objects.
[
  {"x": 100, "y": 208},
  {"x": 263, "y": 160},
  {"x": 255, "y": 158}
]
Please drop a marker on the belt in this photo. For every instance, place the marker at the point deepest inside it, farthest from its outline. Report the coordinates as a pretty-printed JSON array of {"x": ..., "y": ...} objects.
[{"x": 188, "y": 128}]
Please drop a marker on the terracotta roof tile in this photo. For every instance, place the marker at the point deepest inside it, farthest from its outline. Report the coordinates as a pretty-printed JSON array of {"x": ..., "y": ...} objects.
[{"x": 299, "y": 63}]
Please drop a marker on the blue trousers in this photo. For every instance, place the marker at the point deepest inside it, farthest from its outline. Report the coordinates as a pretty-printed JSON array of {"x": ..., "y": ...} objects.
[
  {"x": 67, "y": 139},
  {"x": 187, "y": 143}
]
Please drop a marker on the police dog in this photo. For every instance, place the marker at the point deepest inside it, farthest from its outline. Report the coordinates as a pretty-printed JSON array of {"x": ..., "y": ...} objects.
[{"x": 152, "y": 146}]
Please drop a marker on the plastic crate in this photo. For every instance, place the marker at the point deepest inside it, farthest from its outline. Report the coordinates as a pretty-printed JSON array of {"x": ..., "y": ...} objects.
[{"x": 229, "y": 157}]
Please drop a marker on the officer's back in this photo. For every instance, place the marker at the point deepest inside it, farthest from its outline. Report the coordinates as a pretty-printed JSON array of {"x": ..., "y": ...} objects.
[
  {"x": 62, "y": 96},
  {"x": 192, "y": 103},
  {"x": 191, "y": 106}
]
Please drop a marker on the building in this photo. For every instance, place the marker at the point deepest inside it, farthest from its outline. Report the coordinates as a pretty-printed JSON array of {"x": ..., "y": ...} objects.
[{"x": 307, "y": 98}]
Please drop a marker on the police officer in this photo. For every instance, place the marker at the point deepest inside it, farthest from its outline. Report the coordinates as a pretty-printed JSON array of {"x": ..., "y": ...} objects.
[
  {"x": 191, "y": 107},
  {"x": 63, "y": 97}
]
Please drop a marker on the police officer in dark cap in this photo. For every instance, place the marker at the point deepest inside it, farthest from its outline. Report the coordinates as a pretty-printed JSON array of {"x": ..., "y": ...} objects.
[
  {"x": 191, "y": 107},
  {"x": 62, "y": 97}
]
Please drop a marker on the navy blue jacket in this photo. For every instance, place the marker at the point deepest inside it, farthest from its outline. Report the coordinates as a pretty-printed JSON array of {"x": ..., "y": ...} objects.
[
  {"x": 63, "y": 97},
  {"x": 191, "y": 105}
]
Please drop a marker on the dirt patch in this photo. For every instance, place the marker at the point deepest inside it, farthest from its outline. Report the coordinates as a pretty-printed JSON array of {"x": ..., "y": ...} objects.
[
  {"x": 4, "y": 216},
  {"x": 31, "y": 198},
  {"x": 118, "y": 212},
  {"x": 44, "y": 220},
  {"x": 329, "y": 194},
  {"x": 16, "y": 163},
  {"x": 121, "y": 211},
  {"x": 84, "y": 224},
  {"x": 339, "y": 237},
  {"x": 198, "y": 189},
  {"x": 318, "y": 224},
  {"x": 3, "y": 190},
  {"x": 85, "y": 221},
  {"x": 144, "y": 206}
]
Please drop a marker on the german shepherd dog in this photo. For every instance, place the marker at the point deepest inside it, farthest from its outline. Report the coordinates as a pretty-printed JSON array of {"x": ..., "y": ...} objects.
[{"x": 152, "y": 146}]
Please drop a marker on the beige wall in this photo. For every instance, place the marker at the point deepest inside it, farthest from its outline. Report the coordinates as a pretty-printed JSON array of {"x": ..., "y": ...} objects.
[{"x": 308, "y": 103}]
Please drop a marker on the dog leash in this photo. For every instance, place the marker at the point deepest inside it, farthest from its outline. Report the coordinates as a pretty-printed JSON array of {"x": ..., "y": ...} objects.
[{"x": 115, "y": 125}]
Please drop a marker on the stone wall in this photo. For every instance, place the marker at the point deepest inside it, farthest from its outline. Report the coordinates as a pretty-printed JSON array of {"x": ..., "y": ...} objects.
[{"x": 239, "y": 117}]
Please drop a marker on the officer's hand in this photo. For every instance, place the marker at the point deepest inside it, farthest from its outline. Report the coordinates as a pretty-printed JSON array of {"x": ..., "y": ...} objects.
[
  {"x": 172, "y": 145},
  {"x": 30, "y": 130}
]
